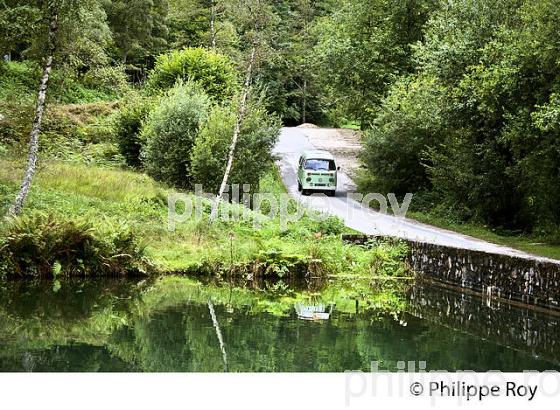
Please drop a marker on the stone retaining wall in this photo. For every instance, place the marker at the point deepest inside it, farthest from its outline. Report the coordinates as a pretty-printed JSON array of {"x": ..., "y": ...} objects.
[{"x": 525, "y": 280}]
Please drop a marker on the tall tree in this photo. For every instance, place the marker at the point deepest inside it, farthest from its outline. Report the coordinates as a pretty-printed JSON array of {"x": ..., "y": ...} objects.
[
  {"x": 18, "y": 22},
  {"x": 62, "y": 33},
  {"x": 139, "y": 27},
  {"x": 189, "y": 22},
  {"x": 301, "y": 80},
  {"x": 213, "y": 16},
  {"x": 363, "y": 47},
  {"x": 53, "y": 10},
  {"x": 204, "y": 23},
  {"x": 256, "y": 19}
]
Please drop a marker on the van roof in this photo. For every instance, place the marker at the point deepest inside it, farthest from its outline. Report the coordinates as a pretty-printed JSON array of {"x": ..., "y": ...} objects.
[{"x": 316, "y": 154}]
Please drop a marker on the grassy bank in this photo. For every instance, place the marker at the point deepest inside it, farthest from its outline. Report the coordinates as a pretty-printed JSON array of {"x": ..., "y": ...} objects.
[
  {"x": 123, "y": 200},
  {"x": 88, "y": 214}
]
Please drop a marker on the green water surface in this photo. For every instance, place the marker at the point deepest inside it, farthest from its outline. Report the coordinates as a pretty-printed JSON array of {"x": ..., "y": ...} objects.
[{"x": 123, "y": 325}]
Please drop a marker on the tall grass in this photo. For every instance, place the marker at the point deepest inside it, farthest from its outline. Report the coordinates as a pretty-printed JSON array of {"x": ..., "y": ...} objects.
[{"x": 113, "y": 196}]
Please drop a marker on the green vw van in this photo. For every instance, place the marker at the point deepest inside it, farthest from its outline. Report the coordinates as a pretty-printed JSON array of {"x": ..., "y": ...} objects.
[{"x": 317, "y": 172}]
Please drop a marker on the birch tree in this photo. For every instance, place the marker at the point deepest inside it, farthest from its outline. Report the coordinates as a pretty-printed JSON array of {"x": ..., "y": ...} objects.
[
  {"x": 257, "y": 17},
  {"x": 213, "y": 12},
  {"x": 63, "y": 29},
  {"x": 17, "y": 206},
  {"x": 236, "y": 130}
]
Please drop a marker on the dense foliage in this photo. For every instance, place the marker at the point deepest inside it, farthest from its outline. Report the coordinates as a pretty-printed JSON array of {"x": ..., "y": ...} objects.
[
  {"x": 253, "y": 153},
  {"x": 362, "y": 48},
  {"x": 476, "y": 125},
  {"x": 127, "y": 127},
  {"x": 46, "y": 246},
  {"x": 19, "y": 82},
  {"x": 170, "y": 132},
  {"x": 458, "y": 101},
  {"x": 214, "y": 72}
]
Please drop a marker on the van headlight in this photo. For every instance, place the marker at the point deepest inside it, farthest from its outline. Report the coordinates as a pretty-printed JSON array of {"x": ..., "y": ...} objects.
[
  {"x": 331, "y": 179},
  {"x": 308, "y": 179}
]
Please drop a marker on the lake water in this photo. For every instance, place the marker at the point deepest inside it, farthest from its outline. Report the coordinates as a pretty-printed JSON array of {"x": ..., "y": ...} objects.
[{"x": 121, "y": 325}]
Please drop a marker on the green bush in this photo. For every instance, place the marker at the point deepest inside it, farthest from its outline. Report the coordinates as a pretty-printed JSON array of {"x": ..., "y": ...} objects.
[
  {"x": 127, "y": 127},
  {"x": 18, "y": 80},
  {"x": 65, "y": 128},
  {"x": 16, "y": 121},
  {"x": 170, "y": 131},
  {"x": 307, "y": 227},
  {"x": 109, "y": 79},
  {"x": 387, "y": 258},
  {"x": 408, "y": 123},
  {"x": 253, "y": 153},
  {"x": 214, "y": 72},
  {"x": 332, "y": 225},
  {"x": 42, "y": 246}
]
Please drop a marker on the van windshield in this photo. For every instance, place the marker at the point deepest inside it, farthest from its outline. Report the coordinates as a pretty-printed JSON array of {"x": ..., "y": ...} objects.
[{"x": 319, "y": 165}]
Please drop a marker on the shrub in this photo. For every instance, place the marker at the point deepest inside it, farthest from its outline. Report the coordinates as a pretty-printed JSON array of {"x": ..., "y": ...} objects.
[
  {"x": 127, "y": 127},
  {"x": 65, "y": 128},
  {"x": 40, "y": 245},
  {"x": 409, "y": 121},
  {"x": 170, "y": 131},
  {"x": 109, "y": 79},
  {"x": 332, "y": 225},
  {"x": 307, "y": 228},
  {"x": 16, "y": 121},
  {"x": 19, "y": 80},
  {"x": 253, "y": 157},
  {"x": 387, "y": 258},
  {"x": 214, "y": 72}
]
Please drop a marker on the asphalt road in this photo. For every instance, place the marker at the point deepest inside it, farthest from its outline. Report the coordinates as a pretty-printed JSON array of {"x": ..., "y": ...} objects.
[{"x": 364, "y": 219}]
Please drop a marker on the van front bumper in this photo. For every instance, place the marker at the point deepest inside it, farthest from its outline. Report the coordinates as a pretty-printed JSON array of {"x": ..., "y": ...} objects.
[{"x": 319, "y": 187}]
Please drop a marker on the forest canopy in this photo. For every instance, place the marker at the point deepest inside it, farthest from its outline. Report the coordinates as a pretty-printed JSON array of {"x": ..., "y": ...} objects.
[{"x": 458, "y": 101}]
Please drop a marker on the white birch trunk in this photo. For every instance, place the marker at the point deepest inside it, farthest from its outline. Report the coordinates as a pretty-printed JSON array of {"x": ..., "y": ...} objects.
[
  {"x": 218, "y": 334},
  {"x": 17, "y": 206},
  {"x": 304, "y": 104},
  {"x": 213, "y": 25},
  {"x": 237, "y": 129}
]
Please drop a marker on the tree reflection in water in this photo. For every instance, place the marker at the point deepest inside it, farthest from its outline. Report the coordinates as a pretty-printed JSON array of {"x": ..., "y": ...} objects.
[{"x": 169, "y": 325}]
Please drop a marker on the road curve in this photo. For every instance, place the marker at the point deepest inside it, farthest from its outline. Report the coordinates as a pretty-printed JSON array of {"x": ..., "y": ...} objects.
[{"x": 364, "y": 219}]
